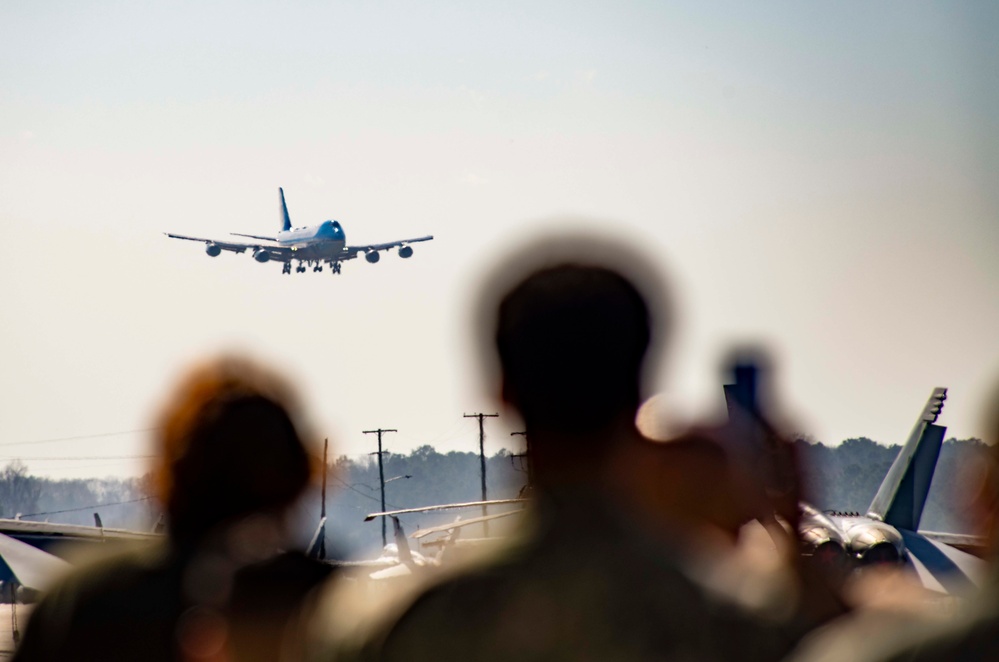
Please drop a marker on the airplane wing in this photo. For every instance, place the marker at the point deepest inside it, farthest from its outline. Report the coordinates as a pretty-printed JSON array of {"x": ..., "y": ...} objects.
[
  {"x": 352, "y": 251},
  {"x": 462, "y": 523},
  {"x": 253, "y": 236},
  {"x": 31, "y": 566},
  {"x": 214, "y": 247},
  {"x": 224, "y": 245},
  {"x": 446, "y": 506}
]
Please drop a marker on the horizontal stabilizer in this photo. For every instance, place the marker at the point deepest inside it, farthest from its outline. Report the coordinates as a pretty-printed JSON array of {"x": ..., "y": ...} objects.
[{"x": 942, "y": 568}]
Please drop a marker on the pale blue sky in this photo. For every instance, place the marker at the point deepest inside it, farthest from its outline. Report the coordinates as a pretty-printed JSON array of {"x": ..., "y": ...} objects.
[{"x": 820, "y": 178}]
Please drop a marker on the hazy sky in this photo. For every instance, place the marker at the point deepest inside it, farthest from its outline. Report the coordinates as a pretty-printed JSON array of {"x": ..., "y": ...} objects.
[{"x": 821, "y": 178}]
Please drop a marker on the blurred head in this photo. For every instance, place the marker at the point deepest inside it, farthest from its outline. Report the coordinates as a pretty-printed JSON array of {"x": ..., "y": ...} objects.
[
  {"x": 985, "y": 502},
  {"x": 571, "y": 340},
  {"x": 228, "y": 447}
]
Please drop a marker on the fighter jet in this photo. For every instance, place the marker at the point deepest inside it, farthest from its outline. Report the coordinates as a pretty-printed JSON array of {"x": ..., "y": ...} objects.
[
  {"x": 888, "y": 531},
  {"x": 311, "y": 246}
]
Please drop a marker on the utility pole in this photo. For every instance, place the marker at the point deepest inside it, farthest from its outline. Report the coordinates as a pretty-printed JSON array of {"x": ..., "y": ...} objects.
[
  {"x": 525, "y": 456},
  {"x": 381, "y": 474},
  {"x": 482, "y": 460}
]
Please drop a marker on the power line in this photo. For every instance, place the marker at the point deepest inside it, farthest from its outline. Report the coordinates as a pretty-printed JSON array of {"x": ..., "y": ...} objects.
[
  {"x": 96, "y": 505},
  {"x": 82, "y": 436},
  {"x": 77, "y": 457},
  {"x": 366, "y": 496}
]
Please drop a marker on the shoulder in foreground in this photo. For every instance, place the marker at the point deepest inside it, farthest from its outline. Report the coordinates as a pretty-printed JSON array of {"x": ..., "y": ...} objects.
[{"x": 355, "y": 610}]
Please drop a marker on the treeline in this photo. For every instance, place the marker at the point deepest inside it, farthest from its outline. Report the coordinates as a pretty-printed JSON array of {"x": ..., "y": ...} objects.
[
  {"x": 437, "y": 478},
  {"x": 843, "y": 477},
  {"x": 123, "y": 503},
  {"x": 847, "y": 476}
]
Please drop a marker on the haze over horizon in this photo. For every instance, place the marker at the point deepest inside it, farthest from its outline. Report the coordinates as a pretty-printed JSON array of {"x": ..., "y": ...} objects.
[{"x": 816, "y": 179}]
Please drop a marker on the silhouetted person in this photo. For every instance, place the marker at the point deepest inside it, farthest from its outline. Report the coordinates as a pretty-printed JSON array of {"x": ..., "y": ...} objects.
[
  {"x": 590, "y": 577},
  {"x": 230, "y": 463}
]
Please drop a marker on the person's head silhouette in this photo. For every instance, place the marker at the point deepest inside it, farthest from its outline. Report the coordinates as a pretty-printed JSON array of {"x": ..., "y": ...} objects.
[
  {"x": 571, "y": 325},
  {"x": 571, "y": 340},
  {"x": 228, "y": 447}
]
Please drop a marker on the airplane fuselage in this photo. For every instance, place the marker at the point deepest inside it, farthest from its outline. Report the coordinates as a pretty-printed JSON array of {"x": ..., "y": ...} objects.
[
  {"x": 316, "y": 243},
  {"x": 329, "y": 232}
]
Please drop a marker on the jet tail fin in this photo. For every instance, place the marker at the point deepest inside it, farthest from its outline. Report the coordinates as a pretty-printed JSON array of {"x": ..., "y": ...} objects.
[
  {"x": 902, "y": 495},
  {"x": 285, "y": 219},
  {"x": 405, "y": 554},
  {"x": 317, "y": 546}
]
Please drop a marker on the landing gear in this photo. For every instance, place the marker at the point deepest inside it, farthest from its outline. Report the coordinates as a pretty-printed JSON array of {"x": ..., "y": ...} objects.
[
  {"x": 300, "y": 269},
  {"x": 286, "y": 269},
  {"x": 335, "y": 267}
]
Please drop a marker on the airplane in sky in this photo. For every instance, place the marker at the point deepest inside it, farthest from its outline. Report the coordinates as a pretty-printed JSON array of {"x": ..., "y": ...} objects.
[{"x": 311, "y": 246}]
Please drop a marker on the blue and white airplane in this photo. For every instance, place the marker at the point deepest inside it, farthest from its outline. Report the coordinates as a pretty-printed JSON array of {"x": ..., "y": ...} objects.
[{"x": 310, "y": 246}]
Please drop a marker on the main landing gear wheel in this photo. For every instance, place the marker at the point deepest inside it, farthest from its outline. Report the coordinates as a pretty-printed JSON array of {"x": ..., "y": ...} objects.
[{"x": 286, "y": 269}]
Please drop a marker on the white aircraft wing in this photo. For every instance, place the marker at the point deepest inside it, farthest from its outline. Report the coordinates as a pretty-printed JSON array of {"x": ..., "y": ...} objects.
[
  {"x": 274, "y": 253},
  {"x": 253, "y": 236},
  {"x": 352, "y": 251},
  {"x": 446, "y": 506},
  {"x": 224, "y": 245},
  {"x": 422, "y": 533},
  {"x": 31, "y": 566}
]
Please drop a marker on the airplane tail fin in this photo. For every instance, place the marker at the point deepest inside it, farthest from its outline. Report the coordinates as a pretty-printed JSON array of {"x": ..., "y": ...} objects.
[
  {"x": 317, "y": 546},
  {"x": 405, "y": 554},
  {"x": 285, "y": 219},
  {"x": 902, "y": 495}
]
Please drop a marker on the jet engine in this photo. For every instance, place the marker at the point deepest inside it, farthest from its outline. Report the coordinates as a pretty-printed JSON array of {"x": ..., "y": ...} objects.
[
  {"x": 874, "y": 542},
  {"x": 823, "y": 542},
  {"x": 405, "y": 251},
  {"x": 372, "y": 256},
  {"x": 213, "y": 250},
  {"x": 260, "y": 255}
]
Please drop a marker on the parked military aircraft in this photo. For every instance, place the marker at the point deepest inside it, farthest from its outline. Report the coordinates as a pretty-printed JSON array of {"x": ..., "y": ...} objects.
[
  {"x": 888, "y": 532},
  {"x": 313, "y": 246},
  {"x": 31, "y": 551},
  {"x": 399, "y": 559}
]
